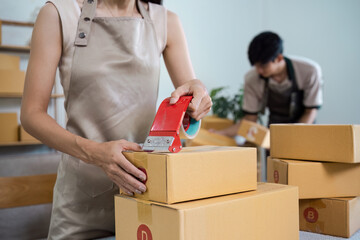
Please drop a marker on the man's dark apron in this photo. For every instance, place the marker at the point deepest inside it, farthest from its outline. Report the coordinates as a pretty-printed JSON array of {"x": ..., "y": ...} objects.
[{"x": 287, "y": 106}]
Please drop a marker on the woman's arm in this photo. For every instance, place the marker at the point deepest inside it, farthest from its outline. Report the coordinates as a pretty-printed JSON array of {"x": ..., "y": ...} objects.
[
  {"x": 46, "y": 49},
  {"x": 178, "y": 64}
]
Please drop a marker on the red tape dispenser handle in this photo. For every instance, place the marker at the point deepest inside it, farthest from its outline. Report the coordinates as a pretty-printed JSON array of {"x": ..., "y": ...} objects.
[{"x": 165, "y": 130}]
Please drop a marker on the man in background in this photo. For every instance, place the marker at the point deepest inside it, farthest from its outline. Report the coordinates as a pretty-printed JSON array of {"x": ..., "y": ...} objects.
[{"x": 290, "y": 87}]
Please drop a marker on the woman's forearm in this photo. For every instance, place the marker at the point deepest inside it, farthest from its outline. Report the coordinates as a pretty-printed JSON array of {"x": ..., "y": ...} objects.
[{"x": 43, "y": 127}]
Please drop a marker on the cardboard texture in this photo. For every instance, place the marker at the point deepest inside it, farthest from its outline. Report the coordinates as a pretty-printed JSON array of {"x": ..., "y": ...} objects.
[
  {"x": 330, "y": 143},
  {"x": 270, "y": 211},
  {"x": 332, "y": 216},
  {"x": 25, "y": 137},
  {"x": 255, "y": 133},
  {"x": 196, "y": 172},
  {"x": 12, "y": 81},
  {"x": 8, "y": 127},
  {"x": 316, "y": 179},
  {"x": 205, "y": 137},
  {"x": 214, "y": 122},
  {"x": 9, "y": 62}
]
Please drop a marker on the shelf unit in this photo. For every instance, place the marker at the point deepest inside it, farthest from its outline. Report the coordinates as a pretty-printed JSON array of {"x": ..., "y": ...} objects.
[
  {"x": 13, "y": 48},
  {"x": 19, "y": 50},
  {"x": 8, "y": 144},
  {"x": 19, "y": 95}
]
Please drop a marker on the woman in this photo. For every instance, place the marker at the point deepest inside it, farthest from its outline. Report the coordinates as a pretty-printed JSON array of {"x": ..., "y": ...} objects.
[{"x": 108, "y": 53}]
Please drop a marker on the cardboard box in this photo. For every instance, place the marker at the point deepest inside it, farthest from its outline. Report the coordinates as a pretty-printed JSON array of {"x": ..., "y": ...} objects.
[
  {"x": 11, "y": 81},
  {"x": 331, "y": 216},
  {"x": 316, "y": 179},
  {"x": 8, "y": 127},
  {"x": 205, "y": 137},
  {"x": 9, "y": 62},
  {"x": 271, "y": 212},
  {"x": 214, "y": 122},
  {"x": 330, "y": 143},
  {"x": 196, "y": 172},
  {"x": 26, "y": 137},
  {"x": 255, "y": 133}
]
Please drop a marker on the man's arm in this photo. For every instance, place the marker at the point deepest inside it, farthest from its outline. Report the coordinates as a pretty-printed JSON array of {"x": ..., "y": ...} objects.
[
  {"x": 309, "y": 116},
  {"x": 233, "y": 130}
]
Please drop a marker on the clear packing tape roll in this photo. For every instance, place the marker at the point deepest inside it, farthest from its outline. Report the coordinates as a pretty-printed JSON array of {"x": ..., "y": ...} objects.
[{"x": 189, "y": 127}]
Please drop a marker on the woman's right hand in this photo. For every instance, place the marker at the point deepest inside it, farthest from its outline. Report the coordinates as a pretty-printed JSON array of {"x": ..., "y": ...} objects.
[{"x": 109, "y": 157}]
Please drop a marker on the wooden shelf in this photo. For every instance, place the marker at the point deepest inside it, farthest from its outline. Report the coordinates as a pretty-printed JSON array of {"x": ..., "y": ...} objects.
[
  {"x": 20, "y": 143},
  {"x": 14, "y": 48},
  {"x": 10, "y": 48},
  {"x": 19, "y": 95}
]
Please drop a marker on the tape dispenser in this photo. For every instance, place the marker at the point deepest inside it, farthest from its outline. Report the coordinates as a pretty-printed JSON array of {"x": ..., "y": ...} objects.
[{"x": 170, "y": 119}]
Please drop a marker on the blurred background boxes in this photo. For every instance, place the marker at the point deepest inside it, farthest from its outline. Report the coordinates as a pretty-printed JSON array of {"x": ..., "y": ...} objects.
[
  {"x": 255, "y": 133},
  {"x": 25, "y": 137},
  {"x": 214, "y": 122},
  {"x": 11, "y": 81},
  {"x": 8, "y": 127},
  {"x": 9, "y": 62},
  {"x": 205, "y": 137}
]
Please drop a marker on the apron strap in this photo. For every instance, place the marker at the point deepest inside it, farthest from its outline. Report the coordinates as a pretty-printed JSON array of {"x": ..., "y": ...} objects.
[
  {"x": 291, "y": 74},
  {"x": 143, "y": 11},
  {"x": 85, "y": 20}
]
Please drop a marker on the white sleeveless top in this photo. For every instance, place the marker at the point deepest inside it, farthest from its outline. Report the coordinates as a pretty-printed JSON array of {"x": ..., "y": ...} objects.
[{"x": 69, "y": 13}]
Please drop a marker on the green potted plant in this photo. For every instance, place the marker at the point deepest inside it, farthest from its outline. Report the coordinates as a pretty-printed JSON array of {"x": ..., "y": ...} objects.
[{"x": 227, "y": 107}]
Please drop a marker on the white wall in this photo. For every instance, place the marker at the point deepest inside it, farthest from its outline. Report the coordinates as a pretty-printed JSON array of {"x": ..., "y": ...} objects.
[
  {"x": 218, "y": 33},
  {"x": 327, "y": 31}
]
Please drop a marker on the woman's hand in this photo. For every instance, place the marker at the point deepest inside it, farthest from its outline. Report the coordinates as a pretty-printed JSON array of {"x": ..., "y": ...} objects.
[
  {"x": 109, "y": 157},
  {"x": 201, "y": 103}
]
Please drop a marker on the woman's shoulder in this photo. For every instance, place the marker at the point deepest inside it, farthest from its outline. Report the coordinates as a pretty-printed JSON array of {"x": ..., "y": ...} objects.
[{"x": 67, "y": 8}]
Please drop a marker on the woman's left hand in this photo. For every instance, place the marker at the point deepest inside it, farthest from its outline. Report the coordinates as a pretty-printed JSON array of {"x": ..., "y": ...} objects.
[{"x": 201, "y": 103}]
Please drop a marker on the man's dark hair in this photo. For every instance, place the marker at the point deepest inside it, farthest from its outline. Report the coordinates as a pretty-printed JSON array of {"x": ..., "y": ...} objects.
[
  {"x": 154, "y": 1},
  {"x": 264, "y": 48}
]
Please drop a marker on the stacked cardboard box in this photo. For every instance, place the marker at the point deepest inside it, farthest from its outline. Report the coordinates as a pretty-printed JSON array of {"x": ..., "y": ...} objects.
[
  {"x": 207, "y": 192},
  {"x": 324, "y": 162},
  {"x": 11, "y": 78}
]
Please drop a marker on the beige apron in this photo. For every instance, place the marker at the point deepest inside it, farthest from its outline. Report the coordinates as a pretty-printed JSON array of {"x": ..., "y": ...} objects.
[{"x": 112, "y": 96}]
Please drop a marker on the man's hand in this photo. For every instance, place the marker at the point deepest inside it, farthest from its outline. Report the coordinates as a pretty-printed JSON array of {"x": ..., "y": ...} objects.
[{"x": 201, "y": 103}]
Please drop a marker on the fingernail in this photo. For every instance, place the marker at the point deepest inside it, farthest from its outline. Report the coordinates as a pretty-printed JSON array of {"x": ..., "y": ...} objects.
[
  {"x": 142, "y": 178},
  {"x": 138, "y": 192},
  {"x": 130, "y": 193},
  {"x": 172, "y": 100},
  {"x": 142, "y": 189}
]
